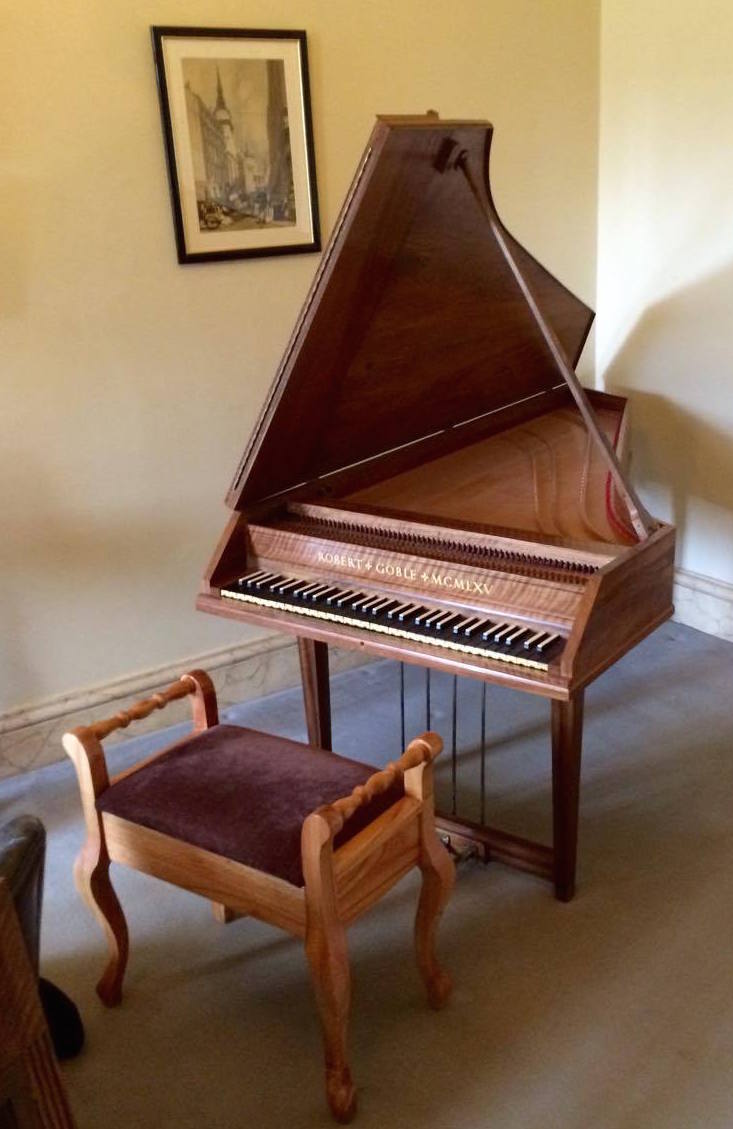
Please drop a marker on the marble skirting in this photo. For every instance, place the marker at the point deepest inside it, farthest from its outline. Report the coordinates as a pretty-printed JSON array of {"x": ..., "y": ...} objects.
[
  {"x": 31, "y": 737},
  {"x": 704, "y": 603}
]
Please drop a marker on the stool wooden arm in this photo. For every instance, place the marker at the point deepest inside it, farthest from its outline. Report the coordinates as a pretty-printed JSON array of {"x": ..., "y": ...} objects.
[
  {"x": 84, "y": 744},
  {"x": 420, "y": 752},
  {"x": 341, "y": 883},
  {"x": 203, "y": 706},
  {"x": 91, "y": 869}
]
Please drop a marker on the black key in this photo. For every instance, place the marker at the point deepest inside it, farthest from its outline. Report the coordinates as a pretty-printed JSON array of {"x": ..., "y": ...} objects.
[
  {"x": 409, "y": 612},
  {"x": 271, "y": 585},
  {"x": 435, "y": 613},
  {"x": 490, "y": 632},
  {"x": 285, "y": 588},
  {"x": 377, "y": 602},
  {"x": 344, "y": 595},
  {"x": 249, "y": 577},
  {"x": 264, "y": 581},
  {"x": 314, "y": 586},
  {"x": 545, "y": 644},
  {"x": 254, "y": 577},
  {"x": 387, "y": 608},
  {"x": 479, "y": 626},
  {"x": 553, "y": 648},
  {"x": 327, "y": 595},
  {"x": 513, "y": 639},
  {"x": 348, "y": 599},
  {"x": 372, "y": 602},
  {"x": 449, "y": 624},
  {"x": 465, "y": 621},
  {"x": 304, "y": 593},
  {"x": 358, "y": 604},
  {"x": 436, "y": 622},
  {"x": 299, "y": 588},
  {"x": 416, "y": 617}
]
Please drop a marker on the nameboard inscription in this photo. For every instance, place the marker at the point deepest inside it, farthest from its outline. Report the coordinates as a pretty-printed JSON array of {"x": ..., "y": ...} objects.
[{"x": 430, "y": 577}]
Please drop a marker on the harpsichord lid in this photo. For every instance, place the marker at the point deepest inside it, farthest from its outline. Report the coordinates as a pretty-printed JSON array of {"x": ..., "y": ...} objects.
[{"x": 416, "y": 320}]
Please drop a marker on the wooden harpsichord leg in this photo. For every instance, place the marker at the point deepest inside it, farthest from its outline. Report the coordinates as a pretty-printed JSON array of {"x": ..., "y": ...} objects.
[
  {"x": 567, "y": 739},
  {"x": 316, "y": 691}
]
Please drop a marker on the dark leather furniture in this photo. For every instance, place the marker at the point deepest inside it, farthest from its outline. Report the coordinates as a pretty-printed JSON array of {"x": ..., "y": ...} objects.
[{"x": 22, "y": 859}]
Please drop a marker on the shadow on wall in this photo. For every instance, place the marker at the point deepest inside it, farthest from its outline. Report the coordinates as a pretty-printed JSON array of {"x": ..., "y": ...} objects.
[{"x": 676, "y": 367}]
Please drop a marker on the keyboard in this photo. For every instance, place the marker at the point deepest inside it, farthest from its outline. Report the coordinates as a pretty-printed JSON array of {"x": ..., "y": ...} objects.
[{"x": 472, "y": 633}]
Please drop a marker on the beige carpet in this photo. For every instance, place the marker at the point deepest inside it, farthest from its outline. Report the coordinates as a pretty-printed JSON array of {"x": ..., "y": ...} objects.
[{"x": 613, "y": 1012}]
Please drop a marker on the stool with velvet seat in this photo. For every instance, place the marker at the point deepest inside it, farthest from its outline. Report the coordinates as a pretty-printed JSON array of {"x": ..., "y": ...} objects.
[{"x": 296, "y": 836}]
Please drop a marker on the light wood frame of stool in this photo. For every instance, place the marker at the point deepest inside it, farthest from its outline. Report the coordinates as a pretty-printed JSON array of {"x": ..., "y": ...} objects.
[{"x": 340, "y": 884}]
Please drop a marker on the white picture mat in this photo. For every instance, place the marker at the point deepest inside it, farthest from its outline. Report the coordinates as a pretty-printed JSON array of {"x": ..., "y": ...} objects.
[{"x": 177, "y": 48}]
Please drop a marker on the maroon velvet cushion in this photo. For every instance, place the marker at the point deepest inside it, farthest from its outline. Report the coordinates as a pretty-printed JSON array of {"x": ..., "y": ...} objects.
[{"x": 244, "y": 795}]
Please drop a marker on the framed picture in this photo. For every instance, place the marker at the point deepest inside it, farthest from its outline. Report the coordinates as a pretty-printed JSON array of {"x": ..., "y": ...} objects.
[{"x": 239, "y": 141}]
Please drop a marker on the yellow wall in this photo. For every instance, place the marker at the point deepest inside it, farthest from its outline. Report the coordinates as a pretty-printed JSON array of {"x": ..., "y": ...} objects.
[
  {"x": 665, "y": 280},
  {"x": 130, "y": 382}
]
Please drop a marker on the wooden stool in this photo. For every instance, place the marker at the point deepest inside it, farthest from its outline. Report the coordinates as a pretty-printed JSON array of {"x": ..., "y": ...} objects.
[{"x": 262, "y": 826}]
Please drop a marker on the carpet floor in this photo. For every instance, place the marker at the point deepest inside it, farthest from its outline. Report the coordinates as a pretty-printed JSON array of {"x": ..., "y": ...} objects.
[{"x": 612, "y": 1012}]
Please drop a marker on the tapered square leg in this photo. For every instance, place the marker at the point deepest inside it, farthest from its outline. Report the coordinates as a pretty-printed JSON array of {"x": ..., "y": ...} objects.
[
  {"x": 316, "y": 691},
  {"x": 567, "y": 739}
]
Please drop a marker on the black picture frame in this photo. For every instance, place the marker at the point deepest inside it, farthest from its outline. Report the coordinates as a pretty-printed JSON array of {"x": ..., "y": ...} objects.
[{"x": 238, "y": 136}]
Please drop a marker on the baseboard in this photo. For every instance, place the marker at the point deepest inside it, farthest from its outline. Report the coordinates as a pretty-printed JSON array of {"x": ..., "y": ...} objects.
[
  {"x": 704, "y": 603},
  {"x": 30, "y": 736}
]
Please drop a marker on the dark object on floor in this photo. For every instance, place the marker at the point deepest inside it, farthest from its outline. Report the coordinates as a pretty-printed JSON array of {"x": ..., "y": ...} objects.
[
  {"x": 22, "y": 857},
  {"x": 262, "y": 826},
  {"x": 63, "y": 1019}
]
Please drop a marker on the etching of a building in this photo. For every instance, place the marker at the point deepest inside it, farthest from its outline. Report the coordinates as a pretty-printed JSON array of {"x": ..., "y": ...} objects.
[{"x": 245, "y": 180}]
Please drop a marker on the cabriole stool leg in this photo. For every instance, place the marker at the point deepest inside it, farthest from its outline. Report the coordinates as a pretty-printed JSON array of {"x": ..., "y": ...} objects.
[
  {"x": 438, "y": 878},
  {"x": 91, "y": 873},
  {"x": 325, "y": 946}
]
